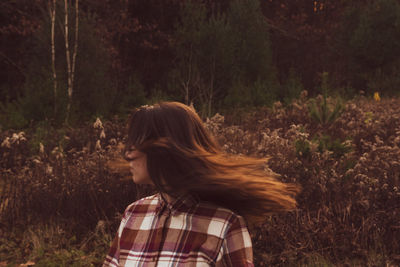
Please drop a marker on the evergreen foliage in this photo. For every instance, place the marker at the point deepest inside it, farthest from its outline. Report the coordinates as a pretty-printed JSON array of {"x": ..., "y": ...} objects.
[
  {"x": 225, "y": 56},
  {"x": 94, "y": 91},
  {"x": 220, "y": 55},
  {"x": 204, "y": 55},
  {"x": 369, "y": 38},
  {"x": 254, "y": 75},
  {"x": 292, "y": 88},
  {"x": 322, "y": 112}
]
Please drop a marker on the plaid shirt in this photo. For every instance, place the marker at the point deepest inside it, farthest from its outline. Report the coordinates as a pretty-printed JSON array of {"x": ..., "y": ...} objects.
[{"x": 186, "y": 232}]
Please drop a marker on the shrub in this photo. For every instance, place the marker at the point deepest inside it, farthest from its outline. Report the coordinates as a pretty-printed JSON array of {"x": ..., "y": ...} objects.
[
  {"x": 347, "y": 185},
  {"x": 12, "y": 116},
  {"x": 369, "y": 41},
  {"x": 324, "y": 112},
  {"x": 348, "y": 211}
]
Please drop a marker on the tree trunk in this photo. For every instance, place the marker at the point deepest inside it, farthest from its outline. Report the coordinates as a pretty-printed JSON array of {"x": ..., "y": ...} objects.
[
  {"x": 52, "y": 10},
  {"x": 70, "y": 66},
  {"x": 69, "y": 81},
  {"x": 76, "y": 39}
]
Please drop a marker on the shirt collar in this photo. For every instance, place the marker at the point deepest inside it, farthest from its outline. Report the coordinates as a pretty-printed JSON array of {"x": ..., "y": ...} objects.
[{"x": 181, "y": 203}]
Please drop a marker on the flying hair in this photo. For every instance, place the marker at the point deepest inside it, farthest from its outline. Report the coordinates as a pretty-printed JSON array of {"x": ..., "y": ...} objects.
[{"x": 183, "y": 157}]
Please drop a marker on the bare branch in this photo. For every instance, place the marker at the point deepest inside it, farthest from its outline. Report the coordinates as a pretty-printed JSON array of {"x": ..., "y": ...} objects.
[
  {"x": 76, "y": 39},
  {"x": 13, "y": 63},
  {"x": 272, "y": 25}
]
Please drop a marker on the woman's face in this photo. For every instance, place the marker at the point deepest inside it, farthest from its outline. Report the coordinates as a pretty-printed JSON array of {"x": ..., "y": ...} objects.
[{"x": 138, "y": 163}]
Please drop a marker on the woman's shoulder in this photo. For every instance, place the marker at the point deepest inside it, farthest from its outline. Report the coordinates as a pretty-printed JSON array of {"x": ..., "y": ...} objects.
[
  {"x": 216, "y": 212},
  {"x": 213, "y": 220}
]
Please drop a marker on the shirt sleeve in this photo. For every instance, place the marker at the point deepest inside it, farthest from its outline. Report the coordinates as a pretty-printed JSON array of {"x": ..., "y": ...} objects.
[
  {"x": 112, "y": 258},
  {"x": 236, "y": 249}
]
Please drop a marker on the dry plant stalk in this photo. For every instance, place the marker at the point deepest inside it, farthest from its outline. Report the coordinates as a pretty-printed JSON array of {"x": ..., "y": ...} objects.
[{"x": 349, "y": 207}]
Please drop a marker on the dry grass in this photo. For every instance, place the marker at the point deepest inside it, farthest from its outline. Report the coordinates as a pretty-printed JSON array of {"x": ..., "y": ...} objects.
[{"x": 348, "y": 213}]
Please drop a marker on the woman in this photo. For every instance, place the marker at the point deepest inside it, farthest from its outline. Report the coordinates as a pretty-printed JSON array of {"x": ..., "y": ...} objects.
[{"x": 205, "y": 197}]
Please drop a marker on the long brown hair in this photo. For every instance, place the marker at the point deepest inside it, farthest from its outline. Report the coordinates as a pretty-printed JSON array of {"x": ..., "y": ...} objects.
[{"x": 182, "y": 157}]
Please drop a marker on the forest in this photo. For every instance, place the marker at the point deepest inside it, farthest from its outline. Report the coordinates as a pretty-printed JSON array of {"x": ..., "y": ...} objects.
[
  {"x": 219, "y": 55},
  {"x": 313, "y": 86}
]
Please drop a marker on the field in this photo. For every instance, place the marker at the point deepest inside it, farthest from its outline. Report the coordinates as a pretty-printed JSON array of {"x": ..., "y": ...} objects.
[{"x": 61, "y": 203}]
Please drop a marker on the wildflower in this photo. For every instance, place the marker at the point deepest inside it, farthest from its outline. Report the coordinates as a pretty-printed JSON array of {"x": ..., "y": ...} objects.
[
  {"x": 17, "y": 137},
  {"x": 296, "y": 106},
  {"x": 113, "y": 141},
  {"x": 14, "y": 138},
  {"x": 102, "y": 134},
  {"x": 98, "y": 124},
  {"x": 57, "y": 152},
  {"x": 100, "y": 227},
  {"x": 192, "y": 106},
  {"x": 22, "y": 136},
  {"x": 397, "y": 140},
  {"x": 368, "y": 117},
  {"x": 41, "y": 148},
  {"x": 277, "y": 105},
  {"x": 49, "y": 170},
  {"x": 98, "y": 145},
  {"x": 6, "y": 143},
  {"x": 347, "y": 143},
  {"x": 377, "y": 97},
  {"x": 218, "y": 118}
]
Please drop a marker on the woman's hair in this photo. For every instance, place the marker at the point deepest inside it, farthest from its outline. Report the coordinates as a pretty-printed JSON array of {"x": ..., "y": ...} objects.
[{"x": 182, "y": 157}]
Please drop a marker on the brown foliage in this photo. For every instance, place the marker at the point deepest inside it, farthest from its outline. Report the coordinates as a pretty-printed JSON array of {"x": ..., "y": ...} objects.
[{"x": 349, "y": 206}]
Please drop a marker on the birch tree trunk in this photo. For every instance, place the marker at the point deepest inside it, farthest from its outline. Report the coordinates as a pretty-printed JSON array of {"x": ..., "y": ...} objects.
[
  {"x": 70, "y": 65},
  {"x": 76, "y": 40},
  {"x": 52, "y": 10}
]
